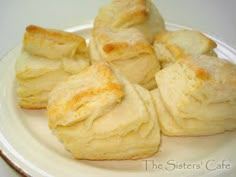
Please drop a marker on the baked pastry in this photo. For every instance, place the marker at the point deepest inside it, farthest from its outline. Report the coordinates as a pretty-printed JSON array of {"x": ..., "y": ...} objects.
[
  {"x": 140, "y": 14},
  {"x": 128, "y": 51},
  {"x": 196, "y": 96},
  {"x": 47, "y": 57},
  {"x": 170, "y": 46},
  {"x": 99, "y": 115}
]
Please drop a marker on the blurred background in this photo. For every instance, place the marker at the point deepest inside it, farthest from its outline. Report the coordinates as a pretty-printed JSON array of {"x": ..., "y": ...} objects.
[{"x": 214, "y": 17}]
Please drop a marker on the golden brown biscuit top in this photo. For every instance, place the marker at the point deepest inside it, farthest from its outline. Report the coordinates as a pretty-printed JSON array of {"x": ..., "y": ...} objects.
[
  {"x": 53, "y": 44},
  {"x": 52, "y": 34},
  {"x": 121, "y": 45},
  {"x": 211, "y": 68},
  {"x": 85, "y": 96},
  {"x": 122, "y": 13}
]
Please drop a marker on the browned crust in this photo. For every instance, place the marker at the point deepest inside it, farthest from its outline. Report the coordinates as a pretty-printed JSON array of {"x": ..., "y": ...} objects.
[
  {"x": 35, "y": 32},
  {"x": 110, "y": 85},
  {"x": 32, "y": 29},
  {"x": 120, "y": 47},
  {"x": 108, "y": 48},
  {"x": 14, "y": 166},
  {"x": 30, "y": 106},
  {"x": 202, "y": 74},
  {"x": 91, "y": 92},
  {"x": 116, "y": 39}
]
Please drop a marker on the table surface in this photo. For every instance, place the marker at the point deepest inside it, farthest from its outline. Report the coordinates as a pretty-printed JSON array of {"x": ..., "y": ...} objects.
[{"x": 214, "y": 17}]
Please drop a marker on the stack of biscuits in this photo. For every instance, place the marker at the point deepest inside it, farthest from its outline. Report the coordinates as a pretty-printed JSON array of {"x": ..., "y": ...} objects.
[
  {"x": 47, "y": 57},
  {"x": 112, "y": 99}
]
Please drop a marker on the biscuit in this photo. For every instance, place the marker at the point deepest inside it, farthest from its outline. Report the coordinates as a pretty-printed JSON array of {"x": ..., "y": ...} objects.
[
  {"x": 140, "y": 14},
  {"x": 99, "y": 115},
  {"x": 47, "y": 57},
  {"x": 196, "y": 96},
  {"x": 170, "y": 46},
  {"x": 128, "y": 51}
]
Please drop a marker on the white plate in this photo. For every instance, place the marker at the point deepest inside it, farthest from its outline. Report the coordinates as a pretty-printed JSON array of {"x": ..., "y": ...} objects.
[{"x": 28, "y": 143}]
